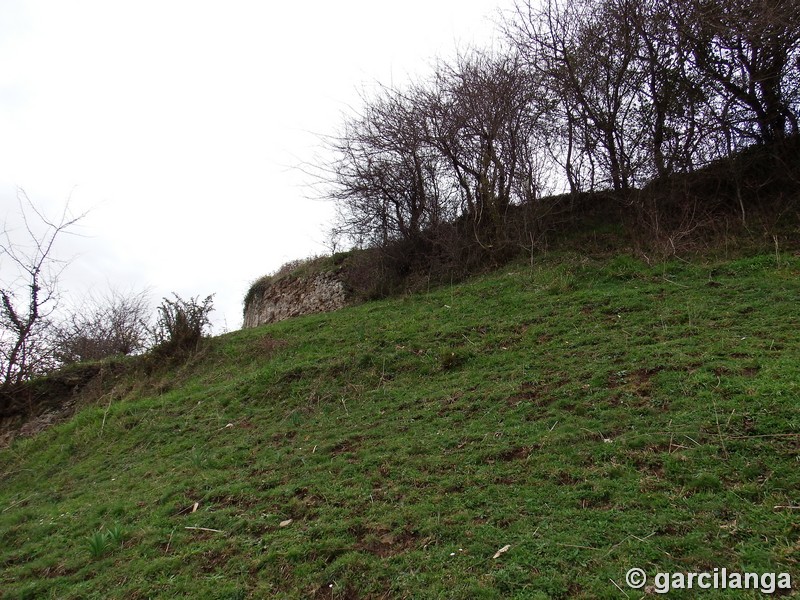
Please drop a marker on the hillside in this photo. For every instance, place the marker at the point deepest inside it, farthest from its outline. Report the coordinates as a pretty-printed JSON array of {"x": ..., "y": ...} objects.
[{"x": 592, "y": 415}]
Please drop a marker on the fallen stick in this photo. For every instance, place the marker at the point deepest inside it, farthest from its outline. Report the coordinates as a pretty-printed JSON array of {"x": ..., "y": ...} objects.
[{"x": 13, "y": 504}]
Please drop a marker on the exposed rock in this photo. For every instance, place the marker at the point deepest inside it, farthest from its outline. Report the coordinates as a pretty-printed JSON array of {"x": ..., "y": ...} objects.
[
  {"x": 20, "y": 426},
  {"x": 293, "y": 296}
]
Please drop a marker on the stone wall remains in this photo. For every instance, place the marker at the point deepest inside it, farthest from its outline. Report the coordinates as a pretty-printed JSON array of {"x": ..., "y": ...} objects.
[{"x": 294, "y": 296}]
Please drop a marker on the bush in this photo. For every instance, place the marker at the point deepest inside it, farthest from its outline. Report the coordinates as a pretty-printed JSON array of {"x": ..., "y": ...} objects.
[
  {"x": 181, "y": 324},
  {"x": 113, "y": 324}
]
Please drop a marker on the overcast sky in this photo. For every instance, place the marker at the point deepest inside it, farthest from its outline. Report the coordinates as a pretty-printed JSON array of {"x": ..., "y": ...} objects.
[{"x": 179, "y": 125}]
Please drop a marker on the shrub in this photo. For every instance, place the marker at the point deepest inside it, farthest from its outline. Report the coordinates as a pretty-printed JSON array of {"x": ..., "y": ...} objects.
[
  {"x": 110, "y": 325},
  {"x": 181, "y": 324}
]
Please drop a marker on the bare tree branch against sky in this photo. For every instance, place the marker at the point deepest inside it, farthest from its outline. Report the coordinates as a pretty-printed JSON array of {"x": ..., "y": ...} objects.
[{"x": 178, "y": 122}]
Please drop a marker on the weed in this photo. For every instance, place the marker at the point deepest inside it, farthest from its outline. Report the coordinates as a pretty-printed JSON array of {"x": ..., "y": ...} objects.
[
  {"x": 116, "y": 535},
  {"x": 98, "y": 544}
]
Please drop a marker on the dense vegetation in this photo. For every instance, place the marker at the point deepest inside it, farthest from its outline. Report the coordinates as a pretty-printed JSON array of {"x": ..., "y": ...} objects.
[
  {"x": 674, "y": 116},
  {"x": 595, "y": 414}
]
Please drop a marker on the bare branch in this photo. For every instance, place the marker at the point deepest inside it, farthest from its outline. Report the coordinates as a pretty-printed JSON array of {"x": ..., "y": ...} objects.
[{"x": 30, "y": 295}]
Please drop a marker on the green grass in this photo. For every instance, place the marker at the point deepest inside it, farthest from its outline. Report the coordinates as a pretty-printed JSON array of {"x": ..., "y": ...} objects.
[{"x": 593, "y": 415}]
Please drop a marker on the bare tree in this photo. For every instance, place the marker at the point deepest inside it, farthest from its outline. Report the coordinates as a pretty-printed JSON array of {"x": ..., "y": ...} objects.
[
  {"x": 749, "y": 51},
  {"x": 673, "y": 116},
  {"x": 115, "y": 323},
  {"x": 29, "y": 292},
  {"x": 591, "y": 94},
  {"x": 585, "y": 62},
  {"x": 630, "y": 101},
  {"x": 482, "y": 115},
  {"x": 385, "y": 174}
]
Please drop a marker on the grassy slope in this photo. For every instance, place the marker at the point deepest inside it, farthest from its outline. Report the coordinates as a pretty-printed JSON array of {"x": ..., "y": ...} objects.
[{"x": 593, "y": 415}]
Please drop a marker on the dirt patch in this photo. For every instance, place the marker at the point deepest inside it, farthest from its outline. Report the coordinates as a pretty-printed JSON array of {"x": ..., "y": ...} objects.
[
  {"x": 637, "y": 378},
  {"x": 449, "y": 401},
  {"x": 214, "y": 560},
  {"x": 53, "y": 571},
  {"x": 20, "y": 426},
  {"x": 722, "y": 371},
  {"x": 565, "y": 478},
  {"x": 347, "y": 446},
  {"x": 518, "y": 453},
  {"x": 384, "y": 543},
  {"x": 231, "y": 501},
  {"x": 750, "y": 371},
  {"x": 280, "y": 437},
  {"x": 636, "y": 384},
  {"x": 537, "y": 394},
  {"x": 34, "y": 406},
  {"x": 649, "y": 464}
]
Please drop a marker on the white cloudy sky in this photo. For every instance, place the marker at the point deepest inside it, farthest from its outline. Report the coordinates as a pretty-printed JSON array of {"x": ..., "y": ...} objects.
[{"x": 179, "y": 123}]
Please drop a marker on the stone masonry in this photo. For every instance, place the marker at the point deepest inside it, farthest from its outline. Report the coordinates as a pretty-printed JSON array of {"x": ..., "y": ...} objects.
[{"x": 294, "y": 296}]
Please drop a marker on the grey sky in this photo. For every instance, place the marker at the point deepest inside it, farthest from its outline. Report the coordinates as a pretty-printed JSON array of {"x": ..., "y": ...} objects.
[{"x": 178, "y": 123}]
